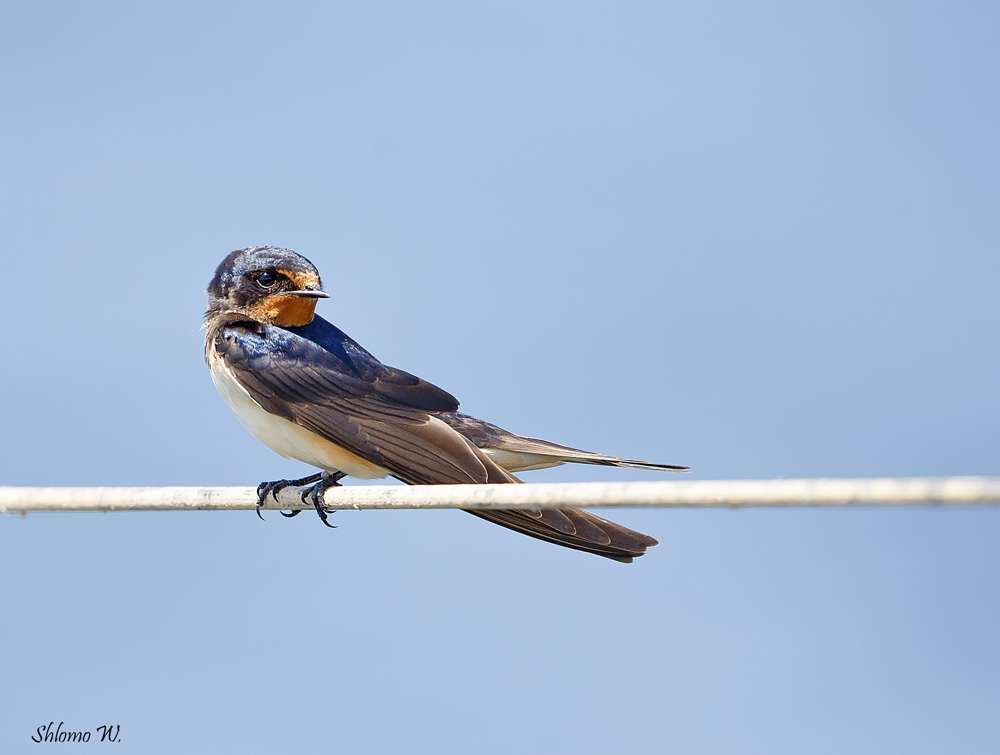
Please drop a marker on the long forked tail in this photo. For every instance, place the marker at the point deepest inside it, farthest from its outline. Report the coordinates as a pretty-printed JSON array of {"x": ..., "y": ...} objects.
[
  {"x": 517, "y": 453},
  {"x": 503, "y": 452},
  {"x": 574, "y": 528}
]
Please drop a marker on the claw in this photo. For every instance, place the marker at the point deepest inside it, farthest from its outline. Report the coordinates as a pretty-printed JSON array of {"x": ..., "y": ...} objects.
[
  {"x": 318, "y": 491},
  {"x": 261, "y": 495},
  {"x": 273, "y": 488},
  {"x": 320, "y": 504},
  {"x": 322, "y": 515}
]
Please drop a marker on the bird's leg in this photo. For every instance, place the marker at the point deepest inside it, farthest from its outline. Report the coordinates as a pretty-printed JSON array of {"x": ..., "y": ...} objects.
[
  {"x": 316, "y": 492},
  {"x": 273, "y": 488}
]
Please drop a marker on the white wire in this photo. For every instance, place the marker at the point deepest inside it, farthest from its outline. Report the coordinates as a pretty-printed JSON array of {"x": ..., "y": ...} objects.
[{"x": 730, "y": 493}]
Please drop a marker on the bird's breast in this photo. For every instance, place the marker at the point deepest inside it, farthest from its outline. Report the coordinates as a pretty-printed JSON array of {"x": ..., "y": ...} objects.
[{"x": 284, "y": 436}]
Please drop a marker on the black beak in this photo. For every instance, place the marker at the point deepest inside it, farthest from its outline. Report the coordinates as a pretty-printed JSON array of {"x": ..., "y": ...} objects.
[{"x": 307, "y": 293}]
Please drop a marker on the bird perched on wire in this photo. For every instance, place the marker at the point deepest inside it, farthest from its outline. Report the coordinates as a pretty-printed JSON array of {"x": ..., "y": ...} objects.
[{"x": 309, "y": 392}]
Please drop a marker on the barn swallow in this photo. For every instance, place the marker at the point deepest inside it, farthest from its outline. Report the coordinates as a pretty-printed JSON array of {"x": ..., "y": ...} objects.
[{"x": 309, "y": 392}]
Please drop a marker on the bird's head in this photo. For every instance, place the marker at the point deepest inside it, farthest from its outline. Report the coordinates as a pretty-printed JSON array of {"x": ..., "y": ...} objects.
[{"x": 267, "y": 284}]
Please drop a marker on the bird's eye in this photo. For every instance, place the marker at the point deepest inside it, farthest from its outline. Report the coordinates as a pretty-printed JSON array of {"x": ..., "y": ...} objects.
[{"x": 266, "y": 280}]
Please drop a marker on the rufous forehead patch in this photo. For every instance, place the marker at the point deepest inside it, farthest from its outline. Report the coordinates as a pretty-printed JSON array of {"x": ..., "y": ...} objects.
[{"x": 303, "y": 279}]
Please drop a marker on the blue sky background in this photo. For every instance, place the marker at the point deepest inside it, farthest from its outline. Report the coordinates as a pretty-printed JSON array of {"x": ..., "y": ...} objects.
[{"x": 760, "y": 240}]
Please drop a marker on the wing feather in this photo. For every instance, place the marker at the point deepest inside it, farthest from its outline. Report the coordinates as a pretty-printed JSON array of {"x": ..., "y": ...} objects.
[{"x": 378, "y": 414}]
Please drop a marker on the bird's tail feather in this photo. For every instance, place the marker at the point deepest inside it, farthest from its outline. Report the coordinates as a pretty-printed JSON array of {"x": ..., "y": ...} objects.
[
  {"x": 614, "y": 461},
  {"x": 573, "y": 528},
  {"x": 519, "y": 453}
]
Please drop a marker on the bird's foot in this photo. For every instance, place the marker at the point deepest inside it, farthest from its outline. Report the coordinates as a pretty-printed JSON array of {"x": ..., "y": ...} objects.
[
  {"x": 316, "y": 492},
  {"x": 273, "y": 488}
]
